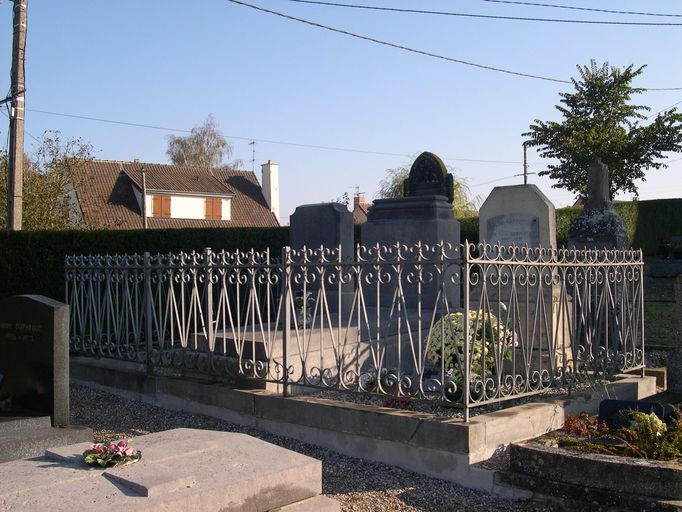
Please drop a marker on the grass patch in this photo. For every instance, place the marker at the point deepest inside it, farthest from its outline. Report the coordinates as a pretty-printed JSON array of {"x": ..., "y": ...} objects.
[{"x": 660, "y": 325}]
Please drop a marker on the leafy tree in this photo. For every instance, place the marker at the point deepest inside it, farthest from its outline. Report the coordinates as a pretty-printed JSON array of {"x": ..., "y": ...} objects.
[
  {"x": 600, "y": 121},
  {"x": 49, "y": 177},
  {"x": 464, "y": 204},
  {"x": 203, "y": 147}
]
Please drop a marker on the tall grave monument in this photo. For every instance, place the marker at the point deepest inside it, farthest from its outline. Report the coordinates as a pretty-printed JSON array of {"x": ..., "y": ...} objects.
[
  {"x": 598, "y": 226},
  {"x": 423, "y": 215}
]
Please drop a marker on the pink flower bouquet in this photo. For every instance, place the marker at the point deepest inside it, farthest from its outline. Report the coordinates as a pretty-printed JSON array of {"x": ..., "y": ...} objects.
[{"x": 112, "y": 454}]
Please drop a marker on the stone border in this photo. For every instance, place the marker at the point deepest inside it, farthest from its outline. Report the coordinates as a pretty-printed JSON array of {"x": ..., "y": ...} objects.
[
  {"x": 435, "y": 446},
  {"x": 620, "y": 481}
]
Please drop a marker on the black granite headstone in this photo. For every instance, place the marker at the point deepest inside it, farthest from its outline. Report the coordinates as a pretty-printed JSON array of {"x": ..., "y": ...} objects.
[
  {"x": 423, "y": 216},
  {"x": 34, "y": 358},
  {"x": 429, "y": 177}
]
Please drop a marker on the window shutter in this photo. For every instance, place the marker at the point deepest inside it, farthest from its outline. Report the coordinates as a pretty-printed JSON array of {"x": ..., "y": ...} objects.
[
  {"x": 165, "y": 206},
  {"x": 217, "y": 208},
  {"x": 156, "y": 206},
  {"x": 213, "y": 208}
]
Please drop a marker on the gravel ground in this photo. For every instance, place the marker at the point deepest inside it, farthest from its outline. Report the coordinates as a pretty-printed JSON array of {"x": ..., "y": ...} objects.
[{"x": 358, "y": 484}]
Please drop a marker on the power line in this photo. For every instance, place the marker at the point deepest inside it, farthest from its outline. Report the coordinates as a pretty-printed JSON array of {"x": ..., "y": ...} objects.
[
  {"x": 665, "y": 109},
  {"x": 499, "y": 179},
  {"x": 25, "y": 131},
  {"x": 485, "y": 16},
  {"x": 609, "y": 11},
  {"x": 420, "y": 52},
  {"x": 251, "y": 139},
  {"x": 398, "y": 46}
]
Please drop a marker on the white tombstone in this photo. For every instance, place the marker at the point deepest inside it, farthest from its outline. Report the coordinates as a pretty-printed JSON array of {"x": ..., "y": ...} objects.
[
  {"x": 518, "y": 214},
  {"x": 522, "y": 215}
]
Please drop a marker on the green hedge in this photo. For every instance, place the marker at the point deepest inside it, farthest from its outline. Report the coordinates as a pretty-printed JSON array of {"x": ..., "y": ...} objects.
[
  {"x": 468, "y": 228},
  {"x": 33, "y": 261}
]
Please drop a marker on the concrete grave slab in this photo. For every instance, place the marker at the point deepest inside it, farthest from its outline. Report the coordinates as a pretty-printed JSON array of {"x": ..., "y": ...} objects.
[{"x": 181, "y": 469}]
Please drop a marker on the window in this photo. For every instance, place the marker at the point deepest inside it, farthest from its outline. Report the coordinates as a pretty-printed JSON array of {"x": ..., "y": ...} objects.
[
  {"x": 161, "y": 206},
  {"x": 214, "y": 208}
]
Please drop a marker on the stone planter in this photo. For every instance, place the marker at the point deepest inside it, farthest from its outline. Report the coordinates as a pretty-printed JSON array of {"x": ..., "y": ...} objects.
[{"x": 622, "y": 476}]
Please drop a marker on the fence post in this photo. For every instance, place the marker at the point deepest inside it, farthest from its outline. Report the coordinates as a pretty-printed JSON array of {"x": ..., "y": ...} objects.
[
  {"x": 148, "y": 312},
  {"x": 286, "y": 311},
  {"x": 678, "y": 291},
  {"x": 467, "y": 363},
  {"x": 208, "y": 282}
]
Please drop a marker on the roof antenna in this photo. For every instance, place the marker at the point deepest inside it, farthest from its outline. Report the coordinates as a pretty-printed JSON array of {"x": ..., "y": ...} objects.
[{"x": 253, "y": 156}]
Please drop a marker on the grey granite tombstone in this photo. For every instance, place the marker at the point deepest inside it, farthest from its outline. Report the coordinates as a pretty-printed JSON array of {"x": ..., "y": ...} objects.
[
  {"x": 424, "y": 215},
  {"x": 34, "y": 377},
  {"x": 328, "y": 226},
  {"x": 520, "y": 215},
  {"x": 325, "y": 224},
  {"x": 598, "y": 226}
]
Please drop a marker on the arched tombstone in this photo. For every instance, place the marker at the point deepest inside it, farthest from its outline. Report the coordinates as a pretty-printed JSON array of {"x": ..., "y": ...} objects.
[{"x": 423, "y": 216}]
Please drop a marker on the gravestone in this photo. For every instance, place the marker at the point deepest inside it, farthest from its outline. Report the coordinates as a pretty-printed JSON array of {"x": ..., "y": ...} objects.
[
  {"x": 34, "y": 376},
  {"x": 520, "y": 215},
  {"x": 424, "y": 215},
  {"x": 34, "y": 358},
  {"x": 598, "y": 226},
  {"x": 326, "y": 225}
]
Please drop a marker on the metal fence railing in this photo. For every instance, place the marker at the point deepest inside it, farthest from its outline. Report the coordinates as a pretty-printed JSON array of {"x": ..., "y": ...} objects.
[{"x": 465, "y": 324}]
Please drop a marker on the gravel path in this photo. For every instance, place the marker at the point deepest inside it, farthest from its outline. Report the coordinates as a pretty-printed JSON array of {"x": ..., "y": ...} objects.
[{"x": 358, "y": 484}]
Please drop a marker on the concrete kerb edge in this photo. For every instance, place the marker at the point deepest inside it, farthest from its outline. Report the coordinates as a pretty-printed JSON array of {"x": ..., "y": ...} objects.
[{"x": 415, "y": 448}]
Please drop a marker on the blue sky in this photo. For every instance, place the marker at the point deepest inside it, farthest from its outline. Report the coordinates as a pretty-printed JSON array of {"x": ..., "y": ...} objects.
[{"x": 171, "y": 63}]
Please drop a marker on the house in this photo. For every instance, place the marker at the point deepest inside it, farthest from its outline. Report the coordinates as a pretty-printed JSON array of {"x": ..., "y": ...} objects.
[
  {"x": 360, "y": 208},
  {"x": 135, "y": 195}
]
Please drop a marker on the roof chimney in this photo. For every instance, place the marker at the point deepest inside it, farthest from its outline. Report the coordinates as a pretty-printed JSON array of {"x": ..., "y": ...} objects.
[
  {"x": 270, "y": 183},
  {"x": 359, "y": 199}
]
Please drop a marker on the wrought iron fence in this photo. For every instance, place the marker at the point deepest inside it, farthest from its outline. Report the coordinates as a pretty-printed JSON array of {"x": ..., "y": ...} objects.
[{"x": 406, "y": 321}]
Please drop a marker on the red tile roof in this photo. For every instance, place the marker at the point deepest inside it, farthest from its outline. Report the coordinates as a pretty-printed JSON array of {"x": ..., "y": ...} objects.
[
  {"x": 177, "y": 178},
  {"x": 107, "y": 200}
]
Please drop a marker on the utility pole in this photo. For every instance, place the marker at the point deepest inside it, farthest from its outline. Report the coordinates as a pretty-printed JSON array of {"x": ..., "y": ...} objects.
[
  {"x": 16, "y": 122},
  {"x": 525, "y": 164}
]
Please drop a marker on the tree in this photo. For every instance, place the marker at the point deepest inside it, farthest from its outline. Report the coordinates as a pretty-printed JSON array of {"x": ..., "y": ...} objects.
[
  {"x": 463, "y": 205},
  {"x": 599, "y": 121},
  {"x": 203, "y": 147},
  {"x": 49, "y": 177}
]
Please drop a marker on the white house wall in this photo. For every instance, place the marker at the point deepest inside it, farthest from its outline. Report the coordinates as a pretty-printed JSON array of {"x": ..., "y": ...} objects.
[
  {"x": 226, "y": 209},
  {"x": 190, "y": 207}
]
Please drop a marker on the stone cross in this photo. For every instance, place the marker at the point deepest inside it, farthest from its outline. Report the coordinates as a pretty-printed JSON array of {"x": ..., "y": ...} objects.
[
  {"x": 429, "y": 177},
  {"x": 598, "y": 192}
]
